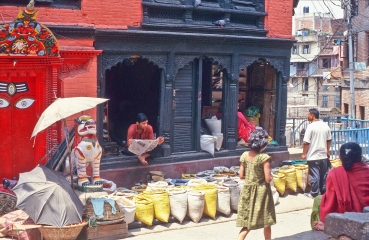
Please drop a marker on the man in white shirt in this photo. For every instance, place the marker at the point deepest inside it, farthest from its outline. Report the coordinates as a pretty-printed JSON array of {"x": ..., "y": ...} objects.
[{"x": 317, "y": 142}]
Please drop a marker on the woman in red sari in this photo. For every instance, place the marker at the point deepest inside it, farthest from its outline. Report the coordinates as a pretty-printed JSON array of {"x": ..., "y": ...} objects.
[
  {"x": 245, "y": 128},
  {"x": 347, "y": 185}
]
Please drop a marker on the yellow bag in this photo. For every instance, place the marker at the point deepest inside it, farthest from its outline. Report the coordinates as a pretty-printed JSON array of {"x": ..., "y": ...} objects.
[
  {"x": 210, "y": 198},
  {"x": 290, "y": 173},
  {"x": 144, "y": 209},
  {"x": 160, "y": 199},
  {"x": 336, "y": 162},
  {"x": 279, "y": 180},
  {"x": 302, "y": 175},
  {"x": 188, "y": 176}
]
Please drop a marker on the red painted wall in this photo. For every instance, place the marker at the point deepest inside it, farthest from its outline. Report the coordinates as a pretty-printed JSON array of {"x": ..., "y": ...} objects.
[
  {"x": 112, "y": 14},
  {"x": 83, "y": 84},
  {"x": 279, "y": 19}
]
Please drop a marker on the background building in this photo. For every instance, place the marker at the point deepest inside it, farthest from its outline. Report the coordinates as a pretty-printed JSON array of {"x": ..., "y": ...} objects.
[{"x": 316, "y": 61}]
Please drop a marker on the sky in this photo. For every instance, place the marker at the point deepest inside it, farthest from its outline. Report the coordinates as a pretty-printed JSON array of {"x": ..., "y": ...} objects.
[{"x": 322, "y": 6}]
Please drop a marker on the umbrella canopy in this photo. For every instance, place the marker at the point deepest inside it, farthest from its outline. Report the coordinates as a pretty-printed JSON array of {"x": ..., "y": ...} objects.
[
  {"x": 64, "y": 107},
  {"x": 47, "y": 197}
]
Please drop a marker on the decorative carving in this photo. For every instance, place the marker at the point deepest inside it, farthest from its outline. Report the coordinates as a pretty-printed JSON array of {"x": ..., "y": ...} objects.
[
  {"x": 277, "y": 63},
  {"x": 223, "y": 60},
  {"x": 245, "y": 61},
  {"x": 72, "y": 69},
  {"x": 182, "y": 60},
  {"x": 110, "y": 60},
  {"x": 25, "y": 36}
]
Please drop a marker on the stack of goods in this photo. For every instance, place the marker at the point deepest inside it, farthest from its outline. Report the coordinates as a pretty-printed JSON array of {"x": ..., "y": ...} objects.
[{"x": 291, "y": 177}]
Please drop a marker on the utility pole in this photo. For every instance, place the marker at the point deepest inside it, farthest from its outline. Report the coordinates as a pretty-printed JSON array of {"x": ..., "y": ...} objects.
[{"x": 347, "y": 6}]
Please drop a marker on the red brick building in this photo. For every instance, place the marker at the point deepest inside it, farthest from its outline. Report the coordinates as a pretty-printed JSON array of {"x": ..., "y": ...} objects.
[
  {"x": 360, "y": 25},
  {"x": 161, "y": 58}
]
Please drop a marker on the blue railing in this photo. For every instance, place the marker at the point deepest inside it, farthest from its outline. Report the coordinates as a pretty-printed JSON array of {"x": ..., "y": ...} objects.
[
  {"x": 343, "y": 130},
  {"x": 296, "y": 127},
  {"x": 358, "y": 135}
]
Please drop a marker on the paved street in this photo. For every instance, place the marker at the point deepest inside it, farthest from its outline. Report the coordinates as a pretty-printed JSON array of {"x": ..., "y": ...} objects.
[{"x": 293, "y": 222}]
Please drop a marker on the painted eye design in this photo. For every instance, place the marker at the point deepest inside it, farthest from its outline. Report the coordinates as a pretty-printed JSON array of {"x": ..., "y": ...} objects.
[
  {"x": 4, "y": 103},
  {"x": 24, "y": 103}
]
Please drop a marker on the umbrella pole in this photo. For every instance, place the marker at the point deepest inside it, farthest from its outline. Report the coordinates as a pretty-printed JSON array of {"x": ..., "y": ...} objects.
[{"x": 69, "y": 153}]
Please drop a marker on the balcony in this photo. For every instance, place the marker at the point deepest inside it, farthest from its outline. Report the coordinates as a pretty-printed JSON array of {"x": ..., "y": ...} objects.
[{"x": 241, "y": 17}]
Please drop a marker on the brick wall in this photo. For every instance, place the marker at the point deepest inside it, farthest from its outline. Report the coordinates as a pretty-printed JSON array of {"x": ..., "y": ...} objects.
[
  {"x": 83, "y": 84},
  {"x": 361, "y": 99},
  {"x": 358, "y": 21},
  {"x": 279, "y": 19},
  {"x": 113, "y": 14}
]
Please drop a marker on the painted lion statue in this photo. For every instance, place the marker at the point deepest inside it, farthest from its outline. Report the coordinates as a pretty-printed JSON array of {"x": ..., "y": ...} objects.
[{"x": 86, "y": 150}]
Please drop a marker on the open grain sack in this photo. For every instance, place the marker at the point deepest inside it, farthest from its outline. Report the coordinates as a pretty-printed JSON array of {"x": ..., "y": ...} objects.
[
  {"x": 234, "y": 190},
  {"x": 160, "y": 199},
  {"x": 210, "y": 190},
  {"x": 127, "y": 206},
  {"x": 207, "y": 143},
  {"x": 144, "y": 209},
  {"x": 302, "y": 175},
  {"x": 178, "y": 203},
  {"x": 290, "y": 173},
  {"x": 224, "y": 200},
  {"x": 279, "y": 181},
  {"x": 196, "y": 202},
  {"x": 196, "y": 182}
]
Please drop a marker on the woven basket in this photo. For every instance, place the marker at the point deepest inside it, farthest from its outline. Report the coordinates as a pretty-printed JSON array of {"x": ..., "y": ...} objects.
[
  {"x": 65, "y": 233},
  {"x": 7, "y": 203},
  {"x": 108, "y": 215}
]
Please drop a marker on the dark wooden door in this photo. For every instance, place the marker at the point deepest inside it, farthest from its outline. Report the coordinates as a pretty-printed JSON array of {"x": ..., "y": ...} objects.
[{"x": 184, "y": 111}]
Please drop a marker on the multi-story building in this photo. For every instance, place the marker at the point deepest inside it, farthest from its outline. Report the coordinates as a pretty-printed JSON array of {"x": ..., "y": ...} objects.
[
  {"x": 315, "y": 62},
  {"x": 360, "y": 24}
]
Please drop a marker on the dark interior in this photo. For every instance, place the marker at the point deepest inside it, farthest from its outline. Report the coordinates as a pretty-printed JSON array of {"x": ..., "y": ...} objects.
[{"x": 132, "y": 86}]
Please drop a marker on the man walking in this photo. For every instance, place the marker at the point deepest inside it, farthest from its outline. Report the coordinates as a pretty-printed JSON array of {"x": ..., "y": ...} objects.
[{"x": 317, "y": 142}]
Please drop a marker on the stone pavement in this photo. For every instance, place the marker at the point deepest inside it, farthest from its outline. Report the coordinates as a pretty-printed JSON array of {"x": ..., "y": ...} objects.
[
  {"x": 293, "y": 222},
  {"x": 295, "y": 153}
]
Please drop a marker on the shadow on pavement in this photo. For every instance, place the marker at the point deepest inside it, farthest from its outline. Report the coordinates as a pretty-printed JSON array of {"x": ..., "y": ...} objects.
[{"x": 308, "y": 235}]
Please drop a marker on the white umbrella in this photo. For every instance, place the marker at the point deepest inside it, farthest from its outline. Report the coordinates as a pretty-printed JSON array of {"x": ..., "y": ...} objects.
[{"x": 64, "y": 107}]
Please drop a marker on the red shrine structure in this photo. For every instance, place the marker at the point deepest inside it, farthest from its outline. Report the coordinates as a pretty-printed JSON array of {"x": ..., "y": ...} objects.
[{"x": 32, "y": 65}]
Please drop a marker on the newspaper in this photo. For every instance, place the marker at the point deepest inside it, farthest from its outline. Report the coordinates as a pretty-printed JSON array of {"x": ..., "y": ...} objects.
[{"x": 139, "y": 146}]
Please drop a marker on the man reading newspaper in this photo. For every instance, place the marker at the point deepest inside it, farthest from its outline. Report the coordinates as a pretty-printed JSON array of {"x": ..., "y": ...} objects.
[{"x": 140, "y": 140}]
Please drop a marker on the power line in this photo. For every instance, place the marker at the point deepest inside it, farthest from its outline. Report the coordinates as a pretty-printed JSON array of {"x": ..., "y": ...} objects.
[{"x": 325, "y": 46}]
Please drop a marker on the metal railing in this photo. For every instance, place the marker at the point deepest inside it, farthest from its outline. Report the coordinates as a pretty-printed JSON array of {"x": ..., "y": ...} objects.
[
  {"x": 343, "y": 130},
  {"x": 296, "y": 127},
  {"x": 358, "y": 135}
]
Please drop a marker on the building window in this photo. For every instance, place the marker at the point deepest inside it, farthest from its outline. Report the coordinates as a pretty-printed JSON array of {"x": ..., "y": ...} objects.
[
  {"x": 325, "y": 101},
  {"x": 306, "y": 49},
  {"x": 337, "y": 101},
  {"x": 326, "y": 63},
  {"x": 305, "y": 85},
  {"x": 345, "y": 108},
  {"x": 362, "y": 112},
  {"x": 336, "y": 88},
  {"x": 295, "y": 83},
  {"x": 325, "y": 88},
  {"x": 295, "y": 49}
]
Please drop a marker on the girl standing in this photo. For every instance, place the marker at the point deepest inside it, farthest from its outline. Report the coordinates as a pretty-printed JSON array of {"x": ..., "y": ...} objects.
[{"x": 256, "y": 206}]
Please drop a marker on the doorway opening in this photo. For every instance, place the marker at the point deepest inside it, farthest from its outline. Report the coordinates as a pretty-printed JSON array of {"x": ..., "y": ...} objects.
[
  {"x": 133, "y": 86},
  {"x": 258, "y": 90}
]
